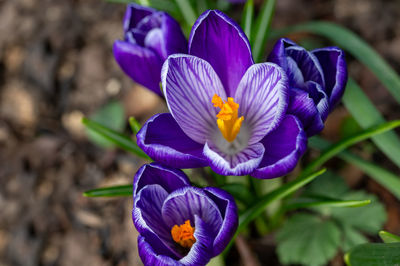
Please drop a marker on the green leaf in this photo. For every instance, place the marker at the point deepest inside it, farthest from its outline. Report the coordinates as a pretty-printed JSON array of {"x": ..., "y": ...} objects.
[
  {"x": 374, "y": 254},
  {"x": 354, "y": 45},
  {"x": 351, "y": 238},
  {"x": 278, "y": 193},
  {"x": 317, "y": 200},
  {"x": 308, "y": 240},
  {"x": 135, "y": 125},
  {"x": 388, "y": 237},
  {"x": 384, "y": 177},
  {"x": 111, "y": 115},
  {"x": 115, "y": 191},
  {"x": 187, "y": 11},
  {"x": 345, "y": 143},
  {"x": 247, "y": 17},
  {"x": 366, "y": 114},
  {"x": 117, "y": 138},
  {"x": 261, "y": 30},
  {"x": 239, "y": 192},
  {"x": 336, "y": 184},
  {"x": 367, "y": 219}
]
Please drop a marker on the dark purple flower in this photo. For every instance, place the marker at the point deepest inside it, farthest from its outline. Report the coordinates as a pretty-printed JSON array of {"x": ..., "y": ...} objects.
[
  {"x": 226, "y": 112},
  {"x": 150, "y": 37},
  {"x": 179, "y": 224},
  {"x": 316, "y": 79}
]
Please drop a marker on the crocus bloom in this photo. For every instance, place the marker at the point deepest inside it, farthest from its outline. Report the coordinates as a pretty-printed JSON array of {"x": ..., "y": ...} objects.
[
  {"x": 150, "y": 37},
  {"x": 179, "y": 224},
  {"x": 225, "y": 111},
  {"x": 316, "y": 79}
]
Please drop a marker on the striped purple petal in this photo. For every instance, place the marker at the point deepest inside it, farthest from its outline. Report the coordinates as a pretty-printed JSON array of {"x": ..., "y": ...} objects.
[
  {"x": 262, "y": 96},
  {"x": 168, "y": 178},
  {"x": 220, "y": 41},
  {"x": 151, "y": 253},
  {"x": 332, "y": 60},
  {"x": 227, "y": 207},
  {"x": 164, "y": 141},
  {"x": 189, "y": 84},
  {"x": 237, "y": 163},
  {"x": 183, "y": 204},
  {"x": 283, "y": 148},
  {"x": 139, "y": 63}
]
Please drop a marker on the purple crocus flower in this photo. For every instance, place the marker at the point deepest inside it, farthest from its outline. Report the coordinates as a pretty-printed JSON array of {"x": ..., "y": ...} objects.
[
  {"x": 179, "y": 224},
  {"x": 150, "y": 37},
  {"x": 225, "y": 111},
  {"x": 316, "y": 79}
]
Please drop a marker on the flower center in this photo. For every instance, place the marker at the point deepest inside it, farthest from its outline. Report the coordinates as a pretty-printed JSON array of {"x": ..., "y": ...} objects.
[
  {"x": 228, "y": 122},
  {"x": 183, "y": 234}
]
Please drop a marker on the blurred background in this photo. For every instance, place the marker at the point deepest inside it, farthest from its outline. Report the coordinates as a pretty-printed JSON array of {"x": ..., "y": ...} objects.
[{"x": 56, "y": 66}]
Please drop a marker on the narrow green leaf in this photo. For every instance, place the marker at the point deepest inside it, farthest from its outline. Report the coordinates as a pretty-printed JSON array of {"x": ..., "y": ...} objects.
[
  {"x": 279, "y": 193},
  {"x": 345, "y": 143},
  {"x": 135, "y": 125},
  {"x": 247, "y": 17},
  {"x": 384, "y": 177},
  {"x": 117, "y": 138},
  {"x": 312, "y": 201},
  {"x": 115, "y": 191},
  {"x": 366, "y": 115},
  {"x": 202, "y": 5},
  {"x": 374, "y": 254},
  {"x": 354, "y": 45},
  {"x": 187, "y": 11},
  {"x": 261, "y": 31},
  {"x": 388, "y": 237}
]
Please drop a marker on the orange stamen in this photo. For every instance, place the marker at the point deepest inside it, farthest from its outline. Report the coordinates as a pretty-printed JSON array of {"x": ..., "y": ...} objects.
[{"x": 183, "y": 234}]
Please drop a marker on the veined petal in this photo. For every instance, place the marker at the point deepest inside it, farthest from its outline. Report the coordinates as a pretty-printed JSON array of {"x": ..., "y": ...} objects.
[
  {"x": 168, "y": 178},
  {"x": 304, "y": 108},
  {"x": 164, "y": 141},
  {"x": 189, "y": 84},
  {"x": 239, "y": 163},
  {"x": 201, "y": 251},
  {"x": 228, "y": 209},
  {"x": 134, "y": 14},
  {"x": 146, "y": 215},
  {"x": 140, "y": 64},
  {"x": 333, "y": 63},
  {"x": 262, "y": 96},
  {"x": 152, "y": 254},
  {"x": 183, "y": 204},
  {"x": 283, "y": 148},
  {"x": 220, "y": 41}
]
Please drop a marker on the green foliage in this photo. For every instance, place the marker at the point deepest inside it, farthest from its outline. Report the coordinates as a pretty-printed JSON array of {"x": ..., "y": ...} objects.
[
  {"x": 374, "y": 254},
  {"x": 135, "y": 125},
  {"x": 247, "y": 17},
  {"x": 328, "y": 228},
  {"x": 120, "y": 140},
  {"x": 308, "y": 239},
  {"x": 111, "y": 116},
  {"x": 115, "y": 191},
  {"x": 388, "y": 237}
]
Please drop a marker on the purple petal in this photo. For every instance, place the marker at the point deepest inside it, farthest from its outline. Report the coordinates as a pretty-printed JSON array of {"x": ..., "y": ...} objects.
[
  {"x": 278, "y": 53},
  {"x": 262, "y": 96},
  {"x": 183, "y": 204},
  {"x": 175, "y": 41},
  {"x": 163, "y": 140},
  {"x": 303, "y": 107},
  {"x": 189, "y": 84},
  {"x": 141, "y": 64},
  {"x": 320, "y": 98},
  {"x": 146, "y": 215},
  {"x": 228, "y": 209},
  {"x": 220, "y": 41},
  {"x": 134, "y": 14},
  {"x": 333, "y": 63},
  {"x": 239, "y": 163},
  {"x": 283, "y": 148},
  {"x": 152, "y": 254},
  {"x": 168, "y": 178},
  {"x": 201, "y": 252}
]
